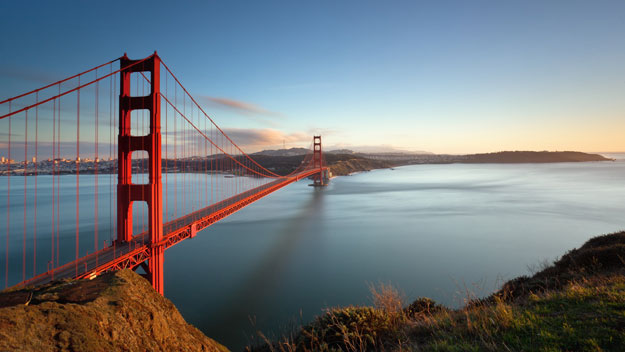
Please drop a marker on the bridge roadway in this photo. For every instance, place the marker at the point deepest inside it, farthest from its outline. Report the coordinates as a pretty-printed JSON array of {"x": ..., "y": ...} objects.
[{"x": 121, "y": 255}]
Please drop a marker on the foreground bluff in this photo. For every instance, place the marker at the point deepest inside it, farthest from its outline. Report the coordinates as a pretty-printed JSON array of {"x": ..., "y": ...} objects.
[{"x": 117, "y": 311}]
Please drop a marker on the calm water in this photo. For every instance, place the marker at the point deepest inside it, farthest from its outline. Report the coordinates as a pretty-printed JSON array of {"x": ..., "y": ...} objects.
[{"x": 431, "y": 230}]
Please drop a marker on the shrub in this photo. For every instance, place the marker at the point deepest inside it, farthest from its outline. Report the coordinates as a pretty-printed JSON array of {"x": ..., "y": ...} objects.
[
  {"x": 350, "y": 328},
  {"x": 423, "y": 307}
]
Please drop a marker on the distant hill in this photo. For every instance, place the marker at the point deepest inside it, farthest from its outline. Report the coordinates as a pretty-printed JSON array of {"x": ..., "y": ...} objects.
[
  {"x": 530, "y": 157},
  {"x": 344, "y": 162},
  {"x": 340, "y": 151},
  {"x": 283, "y": 152},
  {"x": 379, "y": 152},
  {"x": 356, "y": 150}
]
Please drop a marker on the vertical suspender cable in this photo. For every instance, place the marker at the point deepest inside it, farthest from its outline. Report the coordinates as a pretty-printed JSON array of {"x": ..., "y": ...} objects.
[
  {"x": 25, "y": 185},
  {"x": 36, "y": 177},
  {"x": 97, "y": 162},
  {"x": 53, "y": 184},
  {"x": 166, "y": 157},
  {"x": 205, "y": 168},
  {"x": 175, "y": 153},
  {"x": 115, "y": 141},
  {"x": 191, "y": 164},
  {"x": 77, "y": 173},
  {"x": 143, "y": 164},
  {"x": 58, "y": 181},
  {"x": 110, "y": 154},
  {"x": 6, "y": 277},
  {"x": 184, "y": 155}
]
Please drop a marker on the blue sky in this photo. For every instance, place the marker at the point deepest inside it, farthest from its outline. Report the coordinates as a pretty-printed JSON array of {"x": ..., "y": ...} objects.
[{"x": 440, "y": 76}]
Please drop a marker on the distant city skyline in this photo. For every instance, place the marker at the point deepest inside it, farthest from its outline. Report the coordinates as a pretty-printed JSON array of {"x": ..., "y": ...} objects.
[{"x": 444, "y": 77}]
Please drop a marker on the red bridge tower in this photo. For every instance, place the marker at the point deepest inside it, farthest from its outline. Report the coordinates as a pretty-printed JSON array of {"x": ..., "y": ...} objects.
[
  {"x": 152, "y": 192},
  {"x": 318, "y": 162}
]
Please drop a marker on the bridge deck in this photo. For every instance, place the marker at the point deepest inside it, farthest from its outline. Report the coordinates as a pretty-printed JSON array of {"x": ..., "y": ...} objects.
[{"x": 133, "y": 254}]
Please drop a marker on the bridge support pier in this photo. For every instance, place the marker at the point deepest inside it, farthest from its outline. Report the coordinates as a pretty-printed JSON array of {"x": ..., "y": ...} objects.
[{"x": 152, "y": 192}]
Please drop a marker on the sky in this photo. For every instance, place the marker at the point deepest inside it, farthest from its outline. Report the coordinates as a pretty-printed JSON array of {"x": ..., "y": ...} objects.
[{"x": 437, "y": 76}]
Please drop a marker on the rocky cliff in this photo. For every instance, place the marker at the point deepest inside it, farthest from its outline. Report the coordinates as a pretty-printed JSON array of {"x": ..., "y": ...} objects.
[{"x": 117, "y": 311}]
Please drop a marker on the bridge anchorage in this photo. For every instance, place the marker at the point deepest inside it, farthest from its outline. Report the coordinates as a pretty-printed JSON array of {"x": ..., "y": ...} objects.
[{"x": 170, "y": 156}]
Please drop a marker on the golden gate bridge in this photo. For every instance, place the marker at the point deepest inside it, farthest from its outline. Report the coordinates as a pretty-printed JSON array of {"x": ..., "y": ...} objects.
[{"x": 162, "y": 133}]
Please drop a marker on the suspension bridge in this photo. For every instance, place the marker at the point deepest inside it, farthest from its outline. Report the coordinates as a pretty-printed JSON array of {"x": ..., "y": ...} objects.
[{"x": 178, "y": 172}]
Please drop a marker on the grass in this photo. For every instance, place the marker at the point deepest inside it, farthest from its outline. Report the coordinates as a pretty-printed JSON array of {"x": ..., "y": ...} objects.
[
  {"x": 576, "y": 304},
  {"x": 588, "y": 316}
]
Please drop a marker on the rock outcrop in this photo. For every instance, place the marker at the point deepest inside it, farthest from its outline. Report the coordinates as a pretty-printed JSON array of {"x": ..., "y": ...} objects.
[{"x": 117, "y": 311}]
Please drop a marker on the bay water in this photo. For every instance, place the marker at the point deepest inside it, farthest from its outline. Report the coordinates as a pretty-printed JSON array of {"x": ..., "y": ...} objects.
[{"x": 447, "y": 232}]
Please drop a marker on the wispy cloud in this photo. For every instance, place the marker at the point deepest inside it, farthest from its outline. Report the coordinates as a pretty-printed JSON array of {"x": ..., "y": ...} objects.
[
  {"x": 240, "y": 106},
  {"x": 265, "y": 137}
]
